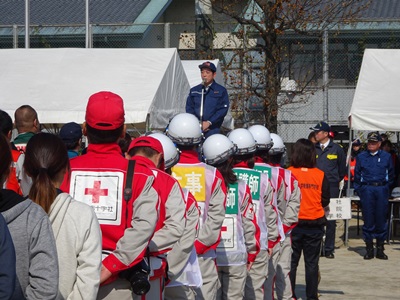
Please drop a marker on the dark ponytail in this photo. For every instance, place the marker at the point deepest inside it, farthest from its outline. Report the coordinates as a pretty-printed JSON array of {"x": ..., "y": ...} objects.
[{"x": 46, "y": 159}]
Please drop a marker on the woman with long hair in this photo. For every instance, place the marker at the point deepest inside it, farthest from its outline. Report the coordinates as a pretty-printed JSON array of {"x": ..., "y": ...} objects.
[
  {"x": 30, "y": 229},
  {"x": 75, "y": 225},
  {"x": 307, "y": 235}
]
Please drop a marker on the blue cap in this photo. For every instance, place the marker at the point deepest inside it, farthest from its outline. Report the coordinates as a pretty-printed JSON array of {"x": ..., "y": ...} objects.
[
  {"x": 208, "y": 65},
  {"x": 70, "y": 132},
  {"x": 321, "y": 126},
  {"x": 374, "y": 137},
  {"x": 356, "y": 142}
]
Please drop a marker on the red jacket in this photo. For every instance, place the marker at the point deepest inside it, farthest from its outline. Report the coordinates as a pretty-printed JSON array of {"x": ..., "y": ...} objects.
[
  {"x": 171, "y": 220},
  {"x": 98, "y": 179}
]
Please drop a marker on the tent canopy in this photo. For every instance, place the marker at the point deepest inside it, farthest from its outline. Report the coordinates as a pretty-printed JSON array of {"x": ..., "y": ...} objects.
[
  {"x": 58, "y": 82},
  {"x": 192, "y": 72},
  {"x": 376, "y": 99}
]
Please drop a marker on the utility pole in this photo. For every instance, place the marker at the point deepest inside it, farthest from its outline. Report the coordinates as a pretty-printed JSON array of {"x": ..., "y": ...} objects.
[
  {"x": 325, "y": 54},
  {"x": 27, "y": 24},
  {"x": 87, "y": 28},
  {"x": 204, "y": 29}
]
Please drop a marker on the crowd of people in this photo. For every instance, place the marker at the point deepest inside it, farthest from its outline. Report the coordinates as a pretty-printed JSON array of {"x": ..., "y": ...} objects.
[{"x": 168, "y": 215}]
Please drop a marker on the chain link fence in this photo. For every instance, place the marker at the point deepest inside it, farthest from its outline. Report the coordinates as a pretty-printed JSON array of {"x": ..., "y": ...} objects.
[{"x": 302, "y": 59}]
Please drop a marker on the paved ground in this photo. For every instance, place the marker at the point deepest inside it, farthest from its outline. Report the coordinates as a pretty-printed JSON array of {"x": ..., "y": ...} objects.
[{"x": 349, "y": 276}]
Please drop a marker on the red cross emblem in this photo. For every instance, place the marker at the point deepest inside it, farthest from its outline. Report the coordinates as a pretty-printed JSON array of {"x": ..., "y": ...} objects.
[{"x": 96, "y": 191}]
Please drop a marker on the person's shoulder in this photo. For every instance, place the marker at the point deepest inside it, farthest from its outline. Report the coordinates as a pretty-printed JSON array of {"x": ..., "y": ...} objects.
[
  {"x": 34, "y": 211},
  {"x": 143, "y": 174},
  {"x": 386, "y": 154},
  {"x": 196, "y": 88},
  {"x": 217, "y": 173},
  {"x": 81, "y": 212},
  {"x": 215, "y": 85},
  {"x": 333, "y": 144},
  {"x": 78, "y": 206},
  {"x": 336, "y": 146},
  {"x": 76, "y": 161},
  {"x": 362, "y": 155},
  {"x": 317, "y": 171},
  {"x": 165, "y": 177}
]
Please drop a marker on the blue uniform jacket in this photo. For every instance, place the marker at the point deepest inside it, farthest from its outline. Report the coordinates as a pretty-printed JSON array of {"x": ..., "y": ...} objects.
[
  {"x": 7, "y": 261},
  {"x": 373, "y": 169},
  {"x": 216, "y": 104},
  {"x": 332, "y": 161}
]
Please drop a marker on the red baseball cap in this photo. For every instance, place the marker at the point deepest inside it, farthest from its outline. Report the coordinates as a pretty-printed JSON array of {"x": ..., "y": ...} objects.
[
  {"x": 105, "y": 111},
  {"x": 148, "y": 141}
]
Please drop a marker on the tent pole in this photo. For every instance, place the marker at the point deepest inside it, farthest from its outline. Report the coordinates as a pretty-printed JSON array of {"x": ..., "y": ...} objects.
[{"x": 346, "y": 234}]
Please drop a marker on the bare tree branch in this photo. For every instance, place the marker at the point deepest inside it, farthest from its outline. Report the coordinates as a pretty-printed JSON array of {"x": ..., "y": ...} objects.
[{"x": 267, "y": 21}]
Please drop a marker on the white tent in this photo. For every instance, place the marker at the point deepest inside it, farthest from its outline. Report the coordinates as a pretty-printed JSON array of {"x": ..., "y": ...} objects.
[
  {"x": 58, "y": 82},
  {"x": 376, "y": 99},
  {"x": 192, "y": 72}
]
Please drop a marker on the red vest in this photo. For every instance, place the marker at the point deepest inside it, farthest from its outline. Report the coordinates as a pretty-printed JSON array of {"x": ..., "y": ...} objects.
[{"x": 12, "y": 181}]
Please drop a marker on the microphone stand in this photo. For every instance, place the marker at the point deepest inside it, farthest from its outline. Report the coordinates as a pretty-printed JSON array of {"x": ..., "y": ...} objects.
[
  {"x": 202, "y": 104},
  {"x": 201, "y": 119}
]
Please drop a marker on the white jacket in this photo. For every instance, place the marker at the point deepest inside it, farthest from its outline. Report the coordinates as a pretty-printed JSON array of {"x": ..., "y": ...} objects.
[{"x": 78, "y": 238}]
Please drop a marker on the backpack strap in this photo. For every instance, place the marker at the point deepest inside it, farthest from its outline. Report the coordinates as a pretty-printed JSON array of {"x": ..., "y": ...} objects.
[
  {"x": 128, "y": 187},
  {"x": 129, "y": 180}
]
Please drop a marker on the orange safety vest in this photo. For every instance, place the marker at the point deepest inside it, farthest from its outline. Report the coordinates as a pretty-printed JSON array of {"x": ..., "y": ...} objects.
[
  {"x": 352, "y": 168},
  {"x": 310, "y": 183}
]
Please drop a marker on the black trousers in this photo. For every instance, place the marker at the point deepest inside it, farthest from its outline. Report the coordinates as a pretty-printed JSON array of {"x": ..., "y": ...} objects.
[
  {"x": 307, "y": 240},
  {"x": 331, "y": 225}
]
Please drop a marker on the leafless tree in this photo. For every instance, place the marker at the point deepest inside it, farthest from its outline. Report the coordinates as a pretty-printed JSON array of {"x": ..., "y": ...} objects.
[{"x": 266, "y": 22}]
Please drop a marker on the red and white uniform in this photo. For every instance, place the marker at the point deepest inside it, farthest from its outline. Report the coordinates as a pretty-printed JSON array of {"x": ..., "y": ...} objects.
[
  {"x": 267, "y": 218},
  {"x": 98, "y": 178},
  {"x": 207, "y": 186},
  {"x": 169, "y": 227},
  {"x": 288, "y": 203},
  {"x": 171, "y": 221},
  {"x": 240, "y": 241},
  {"x": 17, "y": 180},
  {"x": 184, "y": 270}
]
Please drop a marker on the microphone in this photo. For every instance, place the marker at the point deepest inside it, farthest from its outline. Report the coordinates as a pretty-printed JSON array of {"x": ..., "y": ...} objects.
[{"x": 203, "y": 82}]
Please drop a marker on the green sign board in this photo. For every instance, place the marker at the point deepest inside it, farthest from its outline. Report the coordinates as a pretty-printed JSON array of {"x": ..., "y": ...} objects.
[
  {"x": 252, "y": 178},
  {"x": 263, "y": 169},
  {"x": 232, "y": 199}
]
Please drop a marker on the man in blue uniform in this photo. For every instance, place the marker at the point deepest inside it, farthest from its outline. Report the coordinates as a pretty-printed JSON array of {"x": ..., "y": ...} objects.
[
  {"x": 215, "y": 101},
  {"x": 332, "y": 160},
  {"x": 373, "y": 176}
]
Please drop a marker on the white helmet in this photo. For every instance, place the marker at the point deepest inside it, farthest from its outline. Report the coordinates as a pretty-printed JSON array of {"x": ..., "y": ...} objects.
[
  {"x": 217, "y": 148},
  {"x": 244, "y": 141},
  {"x": 278, "y": 146},
  {"x": 262, "y": 136},
  {"x": 184, "y": 129},
  {"x": 171, "y": 153}
]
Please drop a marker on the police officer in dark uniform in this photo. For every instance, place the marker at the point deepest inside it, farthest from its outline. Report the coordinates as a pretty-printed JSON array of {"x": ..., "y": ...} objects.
[
  {"x": 215, "y": 100},
  {"x": 332, "y": 160},
  {"x": 373, "y": 176}
]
